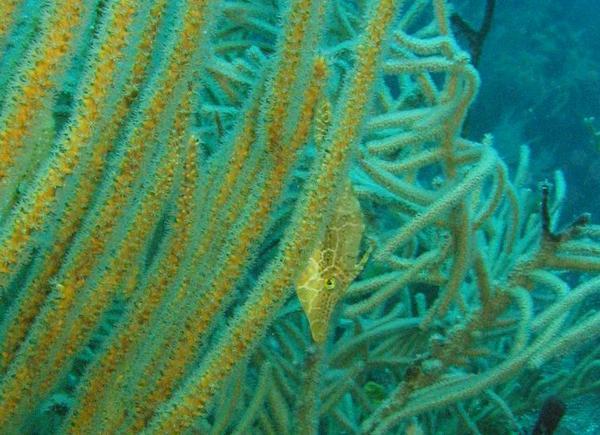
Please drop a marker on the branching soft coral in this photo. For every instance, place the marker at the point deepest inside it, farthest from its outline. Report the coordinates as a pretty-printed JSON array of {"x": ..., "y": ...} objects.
[{"x": 220, "y": 153}]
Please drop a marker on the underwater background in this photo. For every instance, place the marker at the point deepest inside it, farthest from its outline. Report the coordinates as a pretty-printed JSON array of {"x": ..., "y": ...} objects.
[
  {"x": 540, "y": 72},
  {"x": 299, "y": 217},
  {"x": 550, "y": 49}
]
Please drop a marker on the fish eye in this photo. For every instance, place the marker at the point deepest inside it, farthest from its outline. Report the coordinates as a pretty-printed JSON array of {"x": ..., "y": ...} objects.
[{"x": 330, "y": 283}]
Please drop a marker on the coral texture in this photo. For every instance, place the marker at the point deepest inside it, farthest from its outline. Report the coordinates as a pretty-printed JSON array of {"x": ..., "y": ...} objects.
[{"x": 170, "y": 171}]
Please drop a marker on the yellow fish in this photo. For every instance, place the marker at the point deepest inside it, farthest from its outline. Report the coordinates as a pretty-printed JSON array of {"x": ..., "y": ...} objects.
[{"x": 333, "y": 265}]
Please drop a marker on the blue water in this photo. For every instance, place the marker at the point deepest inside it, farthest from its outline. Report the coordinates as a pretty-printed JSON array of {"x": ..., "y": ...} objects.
[{"x": 540, "y": 72}]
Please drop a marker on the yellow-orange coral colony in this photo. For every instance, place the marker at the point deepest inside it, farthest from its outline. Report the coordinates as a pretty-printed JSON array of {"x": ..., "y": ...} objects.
[{"x": 83, "y": 222}]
